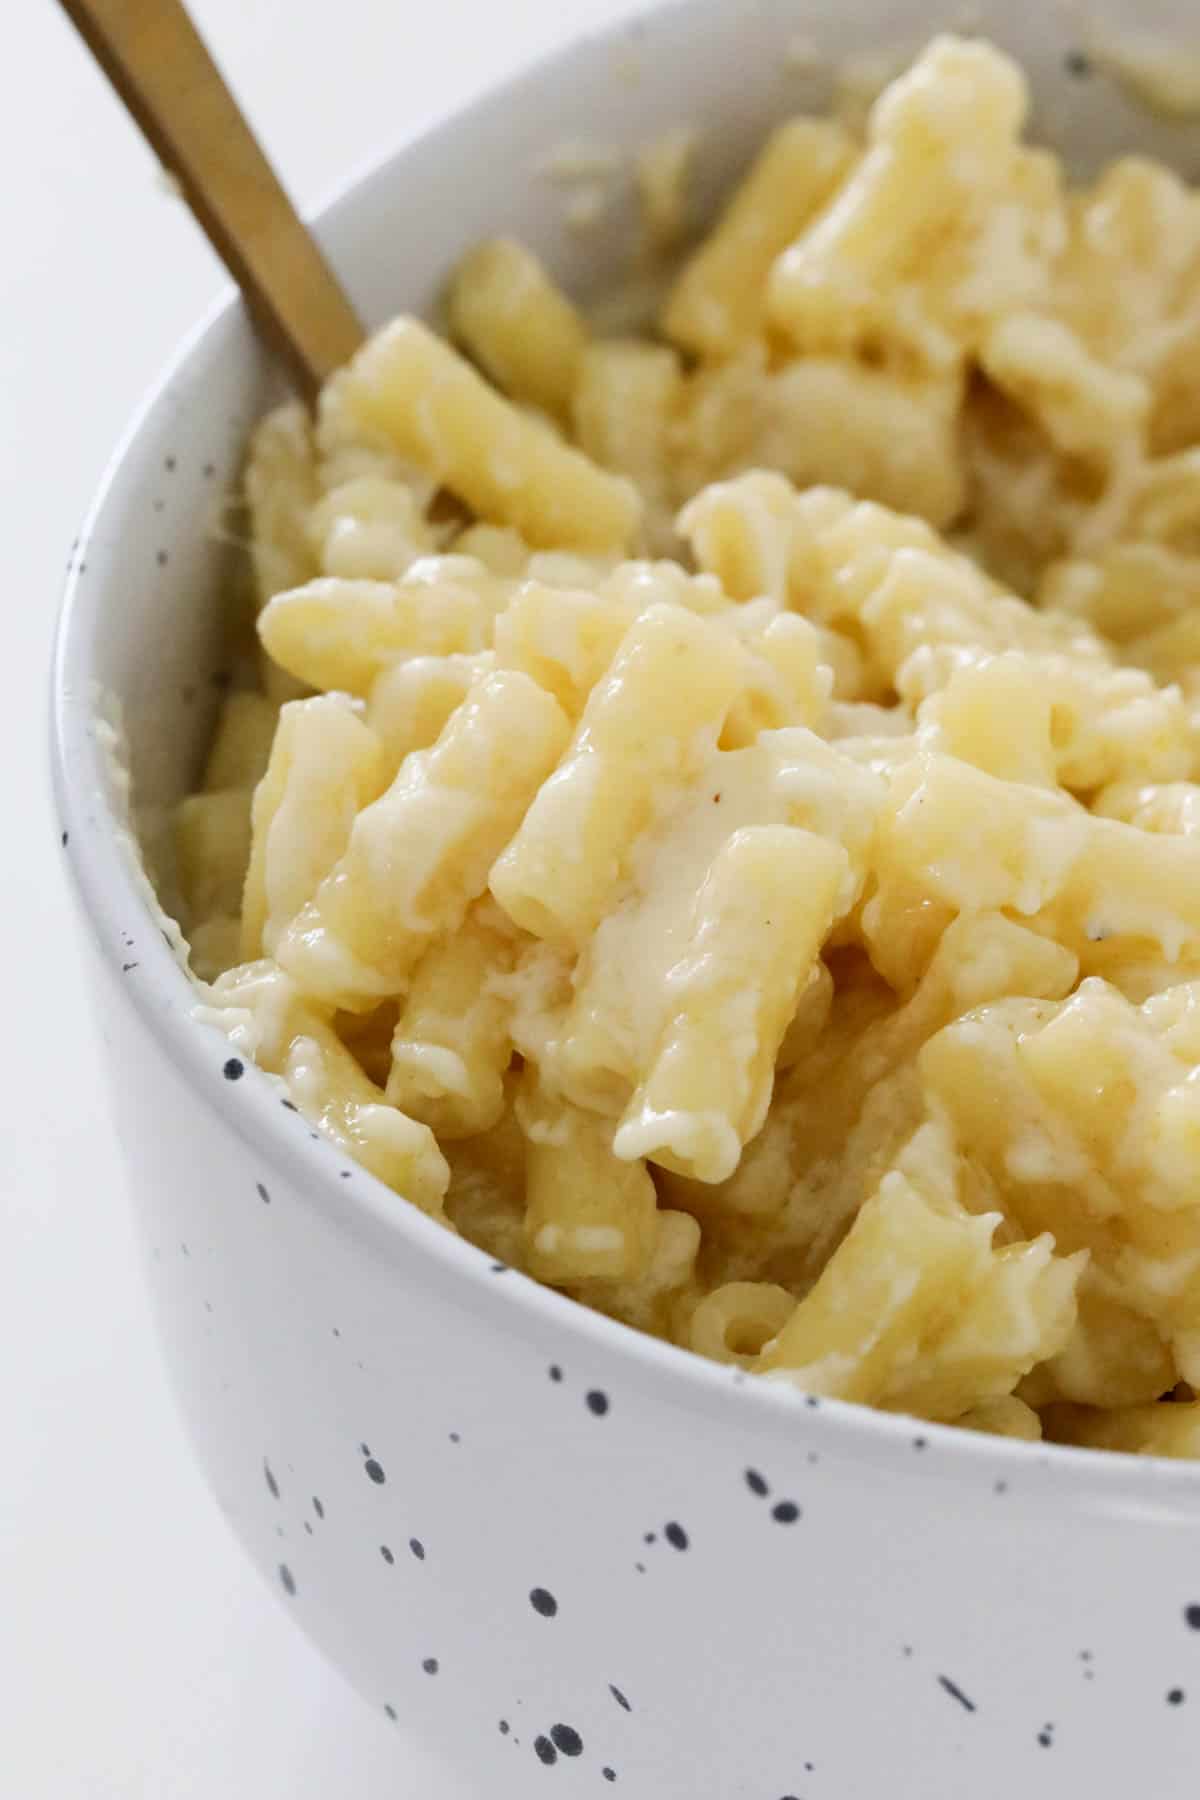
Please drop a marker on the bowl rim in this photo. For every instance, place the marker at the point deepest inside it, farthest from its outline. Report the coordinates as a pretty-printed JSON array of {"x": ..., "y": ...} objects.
[{"x": 110, "y": 895}]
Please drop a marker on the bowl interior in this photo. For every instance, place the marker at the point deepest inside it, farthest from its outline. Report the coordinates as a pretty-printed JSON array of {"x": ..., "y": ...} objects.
[{"x": 142, "y": 630}]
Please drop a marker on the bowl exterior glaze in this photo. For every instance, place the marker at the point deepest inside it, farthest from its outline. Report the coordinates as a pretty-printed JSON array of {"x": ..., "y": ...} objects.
[{"x": 556, "y": 1550}]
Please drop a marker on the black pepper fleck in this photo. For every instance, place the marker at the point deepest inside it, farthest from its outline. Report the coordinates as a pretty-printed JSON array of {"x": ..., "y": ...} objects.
[
  {"x": 675, "y": 1535},
  {"x": 786, "y": 1513},
  {"x": 262, "y": 1193},
  {"x": 566, "y": 1739},
  {"x": 756, "y": 1484},
  {"x": 308, "y": 1530},
  {"x": 555, "y": 1372},
  {"x": 388, "y": 1555},
  {"x": 318, "y": 1508},
  {"x": 1191, "y": 1616},
  {"x": 65, "y": 839},
  {"x": 609, "y": 1774},
  {"x": 543, "y": 1602},
  {"x": 1000, "y": 1487},
  {"x": 1077, "y": 63},
  {"x": 234, "y": 1069},
  {"x": 504, "y": 1728},
  {"x": 813, "y": 1400},
  {"x": 597, "y": 1402},
  {"x": 390, "y": 1711},
  {"x": 920, "y": 1443},
  {"x": 269, "y": 1478},
  {"x": 544, "y": 1750},
  {"x": 289, "y": 1105},
  {"x": 374, "y": 1471},
  {"x": 455, "y": 1438},
  {"x": 956, "y": 1693},
  {"x": 162, "y": 559},
  {"x": 1175, "y": 1697},
  {"x": 417, "y": 1548},
  {"x": 287, "y": 1578},
  {"x": 619, "y": 1697},
  {"x": 127, "y": 968},
  {"x": 430, "y": 1665},
  {"x": 170, "y": 465}
]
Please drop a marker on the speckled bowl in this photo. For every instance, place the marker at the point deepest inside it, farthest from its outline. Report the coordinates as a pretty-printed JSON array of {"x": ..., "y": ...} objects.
[{"x": 558, "y": 1551}]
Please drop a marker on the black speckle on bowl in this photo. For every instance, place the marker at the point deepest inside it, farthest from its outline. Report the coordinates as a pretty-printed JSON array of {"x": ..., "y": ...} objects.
[
  {"x": 234, "y": 1069},
  {"x": 955, "y": 1692},
  {"x": 543, "y": 1602}
]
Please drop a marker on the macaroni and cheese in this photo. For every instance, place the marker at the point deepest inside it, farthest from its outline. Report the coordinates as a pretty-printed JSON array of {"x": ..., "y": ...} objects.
[{"x": 717, "y": 822}]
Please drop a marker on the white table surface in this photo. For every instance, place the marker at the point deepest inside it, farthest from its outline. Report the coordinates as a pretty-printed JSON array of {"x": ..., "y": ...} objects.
[{"x": 139, "y": 1655}]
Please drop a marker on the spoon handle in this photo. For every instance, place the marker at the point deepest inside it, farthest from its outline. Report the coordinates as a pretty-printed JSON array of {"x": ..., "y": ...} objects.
[{"x": 155, "y": 58}]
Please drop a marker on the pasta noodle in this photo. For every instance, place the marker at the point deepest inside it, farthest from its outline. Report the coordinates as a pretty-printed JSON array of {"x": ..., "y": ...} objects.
[{"x": 741, "y": 861}]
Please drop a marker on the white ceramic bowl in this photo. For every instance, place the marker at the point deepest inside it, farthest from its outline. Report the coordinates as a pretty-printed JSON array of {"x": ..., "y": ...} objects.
[{"x": 536, "y": 1537}]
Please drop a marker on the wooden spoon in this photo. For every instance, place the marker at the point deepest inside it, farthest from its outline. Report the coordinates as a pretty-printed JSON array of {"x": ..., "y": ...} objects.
[{"x": 157, "y": 61}]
